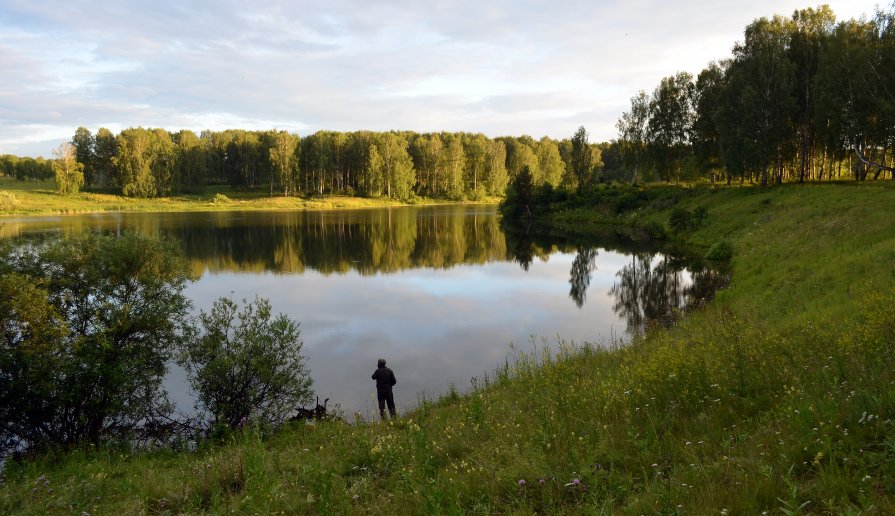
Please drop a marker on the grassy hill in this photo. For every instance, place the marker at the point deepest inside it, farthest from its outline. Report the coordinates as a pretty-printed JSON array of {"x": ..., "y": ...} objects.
[{"x": 779, "y": 396}]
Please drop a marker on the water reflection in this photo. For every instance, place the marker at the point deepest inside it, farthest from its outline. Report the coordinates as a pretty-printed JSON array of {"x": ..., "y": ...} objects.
[
  {"x": 656, "y": 289},
  {"x": 439, "y": 291}
]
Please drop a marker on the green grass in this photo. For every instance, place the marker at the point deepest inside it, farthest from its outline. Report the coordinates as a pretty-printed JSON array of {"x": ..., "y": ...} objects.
[
  {"x": 777, "y": 397},
  {"x": 40, "y": 198}
]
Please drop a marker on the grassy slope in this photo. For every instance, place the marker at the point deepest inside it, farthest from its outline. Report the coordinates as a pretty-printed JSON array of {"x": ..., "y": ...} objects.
[
  {"x": 30, "y": 198},
  {"x": 779, "y": 396}
]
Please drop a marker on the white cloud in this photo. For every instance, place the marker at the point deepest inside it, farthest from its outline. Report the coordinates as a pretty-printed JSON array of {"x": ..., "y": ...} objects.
[{"x": 496, "y": 67}]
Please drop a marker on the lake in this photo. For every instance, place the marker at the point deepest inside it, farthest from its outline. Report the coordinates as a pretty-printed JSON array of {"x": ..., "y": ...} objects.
[{"x": 440, "y": 292}]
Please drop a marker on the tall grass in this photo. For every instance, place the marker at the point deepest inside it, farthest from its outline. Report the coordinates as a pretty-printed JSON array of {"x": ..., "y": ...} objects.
[{"x": 778, "y": 397}]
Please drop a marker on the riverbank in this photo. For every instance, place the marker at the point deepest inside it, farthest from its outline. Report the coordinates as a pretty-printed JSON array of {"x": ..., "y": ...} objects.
[
  {"x": 778, "y": 396},
  {"x": 19, "y": 198}
]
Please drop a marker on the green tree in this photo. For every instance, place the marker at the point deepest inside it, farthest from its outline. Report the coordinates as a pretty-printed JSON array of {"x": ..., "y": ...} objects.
[
  {"x": 452, "y": 163},
  {"x": 246, "y": 366},
  {"x": 425, "y": 150},
  {"x": 550, "y": 162},
  {"x": 373, "y": 172},
  {"x": 495, "y": 168},
  {"x": 69, "y": 172},
  {"x": 475, "y": 147},
  {"x": 633, "y": 135},
  {"x": 85, "y": 153},
  {"x": 704, "y": 133},
  {"x": 133, "y": 163},
  {"x": 755, "y": 118},
  {"x": 520, "y": 196},
  {"x": 88, "y": 325},
  {"x": 282, "y": 158},
  {"x": 810, "y": 29},
  {"x": 189, "y": 161},
  {"x": 104, "y": 166},
  {"x": 582, "y": 158},
  {"x": 397, "y": 167},
  {"x": 669, "y": 125}
]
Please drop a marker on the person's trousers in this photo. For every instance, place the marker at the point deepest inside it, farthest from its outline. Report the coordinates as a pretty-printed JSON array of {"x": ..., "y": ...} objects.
[{"x": 386, "y": 397}]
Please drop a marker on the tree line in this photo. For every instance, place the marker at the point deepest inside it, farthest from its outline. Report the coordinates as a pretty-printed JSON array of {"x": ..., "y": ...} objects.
[
  {"x": 25, "y": 168},
  {"x": 147, "y": 162},
  {"x": 802, "y": 98}
]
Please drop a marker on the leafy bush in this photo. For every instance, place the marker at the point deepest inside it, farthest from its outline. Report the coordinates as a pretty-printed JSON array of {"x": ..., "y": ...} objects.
[
  {"x": 246, "y": 366},
  {"x": 220, "y": 198},
  {"x": 656, "y": 231},
  {"x": 89, "y": 324},
  {"x": 720, "y": 251},
  {"x": 683, "y": 220},
  {"x": 699, "y": 216},
  {"x": 8, "y": 201},
  {"x": 680, "y": 219}
]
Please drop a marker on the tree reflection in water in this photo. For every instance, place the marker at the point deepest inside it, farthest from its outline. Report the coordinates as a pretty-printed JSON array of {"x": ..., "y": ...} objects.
[
  {"x": 656, "y": 289},
  {"x": 579, "y": 277}
]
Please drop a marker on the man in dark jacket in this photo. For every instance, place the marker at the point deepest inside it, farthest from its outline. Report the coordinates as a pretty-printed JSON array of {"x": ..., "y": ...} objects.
[{"x": 385, "y": 379}]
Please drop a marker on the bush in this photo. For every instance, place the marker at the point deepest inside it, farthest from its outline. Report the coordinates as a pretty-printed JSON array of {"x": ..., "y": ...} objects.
[
  {"x": 700, "y": 215},
  {"x": 8, "y": 201},
  {"x": 89, "y": 324},
  {"x": 720, "y": 251},
  {"x": 245, "y": 366},
  {"x": 220, "y": 198},
  {"x": 683, "y": 220},
  {"x": 656, "y": 231},
  {"x": 679, "y": 219}
]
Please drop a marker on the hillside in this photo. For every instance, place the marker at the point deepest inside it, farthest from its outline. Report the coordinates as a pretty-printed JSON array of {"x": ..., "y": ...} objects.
[{"x": 779, "y": 396}]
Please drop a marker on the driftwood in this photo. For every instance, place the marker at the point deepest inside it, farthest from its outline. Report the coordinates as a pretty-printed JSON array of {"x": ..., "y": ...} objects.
[{"x": 318, "y": 412}]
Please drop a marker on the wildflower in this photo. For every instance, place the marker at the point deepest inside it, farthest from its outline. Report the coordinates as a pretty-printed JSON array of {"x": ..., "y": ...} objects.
[
  {"x": 521, "y": 482},
  {"x": 542, "y": 481},
  {"x": 574, "y": 483}
]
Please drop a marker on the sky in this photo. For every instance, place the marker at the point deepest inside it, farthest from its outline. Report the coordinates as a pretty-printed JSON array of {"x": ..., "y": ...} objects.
[{"x": 500, "y": 67}]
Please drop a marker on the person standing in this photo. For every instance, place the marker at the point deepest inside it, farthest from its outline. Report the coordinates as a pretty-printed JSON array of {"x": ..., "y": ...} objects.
[{"x": 385, "y": 380}]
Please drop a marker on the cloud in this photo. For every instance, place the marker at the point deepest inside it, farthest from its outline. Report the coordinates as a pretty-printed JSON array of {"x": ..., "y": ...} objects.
[{"x": 497, "y": 67}]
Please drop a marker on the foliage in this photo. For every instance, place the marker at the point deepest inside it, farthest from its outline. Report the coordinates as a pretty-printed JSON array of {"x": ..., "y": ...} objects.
[
  {"x": 582, "y": 158},
  {"x": 802, "y": 98},
  {"x": 245, "y": 366},
  {"x": 89, "y": 323},
  {"x": 721, "y": 251},
  {"x": 681, "y": 219},
  {"x": 220, "y": 198},
  {"x": 520, "y": 196},
  {"x": 69, "y": 173},
  {"x": 8, "y": 201},
  {"x": 25, "y": 169}
]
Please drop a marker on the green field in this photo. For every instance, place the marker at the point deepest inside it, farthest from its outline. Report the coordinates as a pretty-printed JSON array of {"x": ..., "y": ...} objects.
[
  {"x": 41, "y": 198},
  {"x": 779, "y": 396}
]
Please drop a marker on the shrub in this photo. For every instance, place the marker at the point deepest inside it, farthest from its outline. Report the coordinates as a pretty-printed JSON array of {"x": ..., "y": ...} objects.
[
  {"x": 220, "y": 198},
  {"x": 89, "y": 324},
  {"x": 682, "y": 220},
  {"x": 700, "y": 215},
  {"x": 246, "y": 366},
  {"x": 679, "y": 219},
  {"x": 8, "y": 201},
  {"x": 656, "y": 231},
  {"x": 720, "y": 251}
]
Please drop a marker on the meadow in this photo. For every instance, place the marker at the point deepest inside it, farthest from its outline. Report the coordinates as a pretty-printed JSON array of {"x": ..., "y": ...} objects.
[
  {"x": 777, "y": 397},
  {"x": 19, "y": 198}
]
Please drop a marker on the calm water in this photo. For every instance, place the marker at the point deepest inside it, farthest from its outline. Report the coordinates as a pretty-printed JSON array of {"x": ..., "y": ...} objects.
[{"x": 440, "y": 292}]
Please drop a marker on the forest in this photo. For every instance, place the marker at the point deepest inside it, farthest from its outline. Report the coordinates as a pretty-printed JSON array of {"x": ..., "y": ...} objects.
[
  {"x": 143, "y": 162},
  {"x": 802, "y": 98}
]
